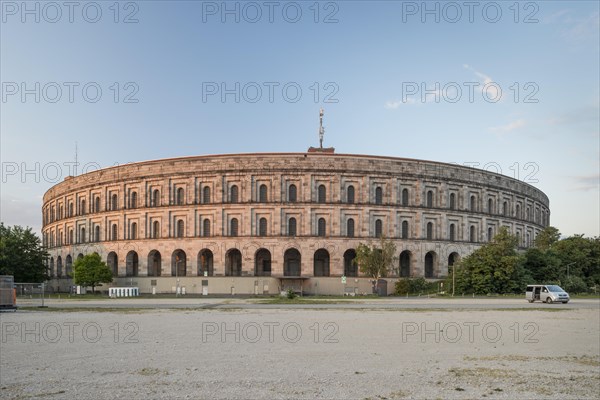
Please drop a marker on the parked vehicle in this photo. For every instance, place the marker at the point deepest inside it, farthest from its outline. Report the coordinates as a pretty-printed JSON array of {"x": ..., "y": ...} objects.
[
  {"x": 8, "y": 293},
  {"x": 546, "y": 293}
]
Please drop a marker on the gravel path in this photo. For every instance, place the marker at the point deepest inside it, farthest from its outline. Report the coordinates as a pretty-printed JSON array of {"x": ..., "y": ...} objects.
[{"x": 282, "y": 354}]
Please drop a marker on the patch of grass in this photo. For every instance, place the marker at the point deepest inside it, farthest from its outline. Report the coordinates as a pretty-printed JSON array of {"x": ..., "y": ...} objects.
[
  {"x": 88, "y": 309},
  {"x": 148, "y": 371},
  {"x": 483, "y": 372},
  {"x": 300, "y": 300}
]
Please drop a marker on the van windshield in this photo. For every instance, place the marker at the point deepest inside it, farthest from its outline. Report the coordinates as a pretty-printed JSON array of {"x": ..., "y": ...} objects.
[{"x": 554, "y": 288}]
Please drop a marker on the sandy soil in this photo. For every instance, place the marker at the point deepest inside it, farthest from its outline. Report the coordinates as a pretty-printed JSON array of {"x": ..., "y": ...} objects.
[{"x": 277, "y": 354}]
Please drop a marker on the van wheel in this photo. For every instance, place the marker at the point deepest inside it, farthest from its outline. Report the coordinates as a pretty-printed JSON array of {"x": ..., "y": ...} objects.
[
  {"x": 549, "y": 300},
  {"x": 531, "y": 301},
  {"x": 565, "y": 302}
]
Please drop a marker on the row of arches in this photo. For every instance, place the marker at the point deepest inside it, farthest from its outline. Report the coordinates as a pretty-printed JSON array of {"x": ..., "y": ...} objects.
[{"x": 292, "y": 263}]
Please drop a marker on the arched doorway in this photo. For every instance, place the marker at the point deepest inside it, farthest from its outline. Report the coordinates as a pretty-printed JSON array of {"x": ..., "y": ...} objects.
[
  {"x": 262, "y": 263},
  {"x": 59, "y": 270},
  {"x": 205, "y": 262},
  {"x": 452, "y": 259},
  {"x": 69, "y": 266},
  {"x": 113, "y": 263},
  {"x": 429, "y": 264},
  {"x": 350, "y": 267},
  {"x": 154, "y": 263},
  {"x": 131, "y": 264},
  {"x": 291, "y": 263},
  {"x": 405, "y": 259},
  {"x": 321, "y": 263},
  {"x": 178, "y": 263},
  {"x": 233, "y": 263}
]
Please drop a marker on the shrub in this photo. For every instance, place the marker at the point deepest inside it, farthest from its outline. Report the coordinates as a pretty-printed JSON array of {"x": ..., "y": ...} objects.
[
  {"x": 575, "y": 284},
  {"x": 291, "y": 294}
]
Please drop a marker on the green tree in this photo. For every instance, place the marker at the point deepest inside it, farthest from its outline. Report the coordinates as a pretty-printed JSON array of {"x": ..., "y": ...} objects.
[
  {"x": 543, "y": 266},
  {"x": 493, "y": 268},
  {"x": 547, "y": 238},
  {"x": 376, "y": 261},
  {"x": 22, "y": 254},
  {"x": 91, "y": 271}
]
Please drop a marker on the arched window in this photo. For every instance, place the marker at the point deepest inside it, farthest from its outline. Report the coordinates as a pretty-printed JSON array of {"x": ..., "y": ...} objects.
[
  {"x": 452, "y": 201},
  {"x": 321, "y": 263},
  {"x": 378, "y": 195},
  {"x": 404, "y": 229},
  {"x": 114, "y": 203},
  {"x": 350, "y": 227},
  {"x": 378, "y": 228},
  {"x": 206, "y": 195},
  {"x": 321, "y": 227},
  {"x": 350, "y": 194},
  {"x": 97, "y": 233},
  {"x": 292, "y": 262},
  {"x": 429, "y": 230},
  {"x": 505, "y": 208},
  {"x": 71, "y": 236},
  {"x": 262, "y": 263},
  {"x": 70, "y": 209},
  {"x": 452, "y": 232},
  {"x": 180, "y": 197},
  {"x": 81, "y": 207},
  {"x": 490, "y": 234},
  {"x": 322, "y": 194},
  {"x": 473, "y": 204},
  {"x": 429, "y": 264},
  {"x": 154, "y": 263},
  {"x": 405, "y": 260},
  {"x": 472, "y": 234},
  {"x": 205, "y": 263},
  {"x": 97, "y": 204},
  {"x": 350, "y": 267},
  {"x": 292, "y": 227},
  {"x": 233, "y": 263},
  {"x": 404, "y": 197},
  {"x": 262, "y": 227},
  {"x": 133, "y": 231},
  {"x": 233, "y": 227},
  {"x": 82, "y": 238},
  {"x": 113, "y": 263},
  {"x": 114, "y": 235},
  {"x": 233, "y": 194},
  {"x": 179, "y": 263},
  {"x": 429, "y": 198},
  {"x": 131, "y": 264},
  {"x": 262, "y": 194},
  {"x": 133, "y": 200},
  {"x": 292, "y": 193},
  {"x": 156, "y": 230},
  {"x": 206, "y": 227},
  {"x": 156, "y": 198},
  {"x": 490, "y": 206},
  {"x": 518, "y": 211},
  {"x": 180, "y": 229}
]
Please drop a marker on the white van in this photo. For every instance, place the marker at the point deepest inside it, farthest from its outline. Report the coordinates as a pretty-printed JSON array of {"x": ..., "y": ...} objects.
[{"x": 546, "y": 293}]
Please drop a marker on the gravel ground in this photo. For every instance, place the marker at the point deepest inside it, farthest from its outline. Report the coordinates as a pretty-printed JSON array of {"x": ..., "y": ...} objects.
[{"x": 282, "y": 354}]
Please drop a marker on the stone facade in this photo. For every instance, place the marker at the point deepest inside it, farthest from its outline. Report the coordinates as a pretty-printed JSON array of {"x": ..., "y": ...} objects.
[{"x": 243, "y": 216}]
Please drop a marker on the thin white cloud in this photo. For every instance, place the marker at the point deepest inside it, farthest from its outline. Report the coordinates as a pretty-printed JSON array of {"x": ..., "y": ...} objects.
[
  {"x": 511, "y": 126},
  {"x": 394, "y": 104},
  {"x": 587, "y": 182},
  {"x": 488, "y": 85}
]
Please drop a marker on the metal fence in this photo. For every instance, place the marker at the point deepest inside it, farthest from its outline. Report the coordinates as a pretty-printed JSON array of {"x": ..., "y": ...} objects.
[{"x": 31, "y": 294}]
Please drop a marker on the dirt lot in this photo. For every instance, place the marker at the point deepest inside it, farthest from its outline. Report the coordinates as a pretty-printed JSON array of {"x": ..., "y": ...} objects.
[{"x": 330, "y": 353}]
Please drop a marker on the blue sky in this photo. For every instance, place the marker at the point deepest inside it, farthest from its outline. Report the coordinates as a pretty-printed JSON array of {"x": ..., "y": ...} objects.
[{"x": 182, "y": 78}]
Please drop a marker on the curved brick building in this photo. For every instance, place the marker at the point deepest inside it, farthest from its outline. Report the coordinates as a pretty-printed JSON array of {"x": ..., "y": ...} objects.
[{"x": 256, "y": 223}]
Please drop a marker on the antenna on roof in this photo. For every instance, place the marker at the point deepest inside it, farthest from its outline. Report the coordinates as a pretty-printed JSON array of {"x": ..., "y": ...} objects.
[
  {"x": 321, "y": 128},
  {"x": 75, "y": 169}
]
